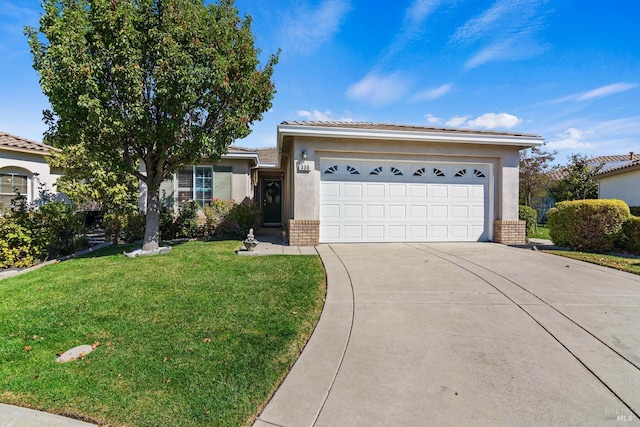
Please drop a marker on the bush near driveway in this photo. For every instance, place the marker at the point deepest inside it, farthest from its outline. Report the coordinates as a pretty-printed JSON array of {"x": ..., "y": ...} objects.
[
  {"x": 529, "y": 215},
  {"x": 629, "y": 238},
  {"x": 588, "y": 225}
]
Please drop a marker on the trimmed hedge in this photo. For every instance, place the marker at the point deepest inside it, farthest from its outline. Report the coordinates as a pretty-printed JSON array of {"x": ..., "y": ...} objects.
[
  {"x": 629, "y": 238},
  {"x": 587, "y": 225},
  {"x": 528, "y": 214}
]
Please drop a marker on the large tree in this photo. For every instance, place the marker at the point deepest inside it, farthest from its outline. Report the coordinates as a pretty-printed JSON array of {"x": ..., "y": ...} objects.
[
  {"x": 148, "y": 86},
  {"x": 578, "y": 182},
  {"x": 535, "y": 165}
]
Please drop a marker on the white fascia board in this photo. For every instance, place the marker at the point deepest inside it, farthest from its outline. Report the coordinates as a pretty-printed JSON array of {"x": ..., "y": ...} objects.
[
  {"x": 242, "y": 156},
  {"x": 383, "y": 134}
]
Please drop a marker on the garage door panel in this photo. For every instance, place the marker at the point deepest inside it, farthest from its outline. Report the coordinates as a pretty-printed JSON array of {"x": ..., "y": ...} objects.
[
  {"x": 375, "y": 190},
  {"x": 439, "y": 191},
  {"x": 353, "y": 190},
  {"x": 330, "y": 211},
  {"x": 375, "y": 232},
  {"x": 418, "y": 211},
  {"x": 426, "y": 203},
  {"x": 330, "y": 189},
  {"x": 397, "y": 212},
  {"x": 353, "y": 211}
]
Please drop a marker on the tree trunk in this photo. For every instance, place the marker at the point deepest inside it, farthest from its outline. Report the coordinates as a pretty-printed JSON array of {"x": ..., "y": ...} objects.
[{"x": 152, "y": 226}]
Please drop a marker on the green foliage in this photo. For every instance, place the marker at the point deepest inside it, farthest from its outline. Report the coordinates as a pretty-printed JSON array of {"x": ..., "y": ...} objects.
[
  {"x": 535, "y": 165},
  {"x": 629, "y": 238},
  {"x": 164, "y": 83},
  {"x": 226, "y": 218},
  {"x": 87, "y": 181},
  {"x": 529, "y": 215},
  {"x": 578, "y": 184},
  {"x": 16, "y": 246},
  {"x": 635, "y": 210},
  {"x": 588, "y": 225},
  {"x": 186, "y": 224},
  {"x": 58, "y": 229},
  {"x": 31, "y": 233},
  {"x": 127, "y": 227}
]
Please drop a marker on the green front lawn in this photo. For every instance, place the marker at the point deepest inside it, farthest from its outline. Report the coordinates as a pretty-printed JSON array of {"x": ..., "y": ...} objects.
[
  {"x": 542, "y": 233},
  {"x": 628, "y": 264},
  {"x": 196, "y": 337}
]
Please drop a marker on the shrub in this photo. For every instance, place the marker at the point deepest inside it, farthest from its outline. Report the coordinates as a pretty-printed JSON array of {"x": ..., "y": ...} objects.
[
  {"x": 58, "y": 229},
  {"x": 226, "y": 218},
  {"x": 629, "y": 238},
  {"x": 186, "y": 223},
  {"x": 588, "y": 225},
  {"x": 635, "y": 210},
  {"x": 124, "y": 227},
  {"x": 16, "y": 246},
  {"x": 529, "y": 215}
]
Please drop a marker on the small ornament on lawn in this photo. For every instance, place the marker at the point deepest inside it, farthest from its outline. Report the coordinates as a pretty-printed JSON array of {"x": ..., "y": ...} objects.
[{"x": 75, "y": 353}]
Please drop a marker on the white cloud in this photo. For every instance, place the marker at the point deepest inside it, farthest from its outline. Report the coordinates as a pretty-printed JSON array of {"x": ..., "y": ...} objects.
[
  {"x": 493, "y": 120},
  {"x": 572, "y": 138},
  {"x": 326, "y": 116},
  {"x": 607, "y": 90},
  {"x": 456, "y": 121},
  {"x": 432, "y": 119},
  {"x": 316, "y": 115},
  {"x": 412, "y": 26},
  {"x": 378, "y": 90},
  {"x": 432, "y": 94},
  {"x": 506, "y": 31},
  {"x": 307, "y": 29}
]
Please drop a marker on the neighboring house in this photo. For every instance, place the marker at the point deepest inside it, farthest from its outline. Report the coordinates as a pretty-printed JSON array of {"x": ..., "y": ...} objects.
[
  {"x": 23, "y": 168},
  {"x": 366, "y": 182},
  {"x": 622, "y": 182}
]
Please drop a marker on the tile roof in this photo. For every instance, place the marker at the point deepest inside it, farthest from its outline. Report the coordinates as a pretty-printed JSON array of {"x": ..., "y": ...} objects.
[
  {"x": 627, "y": 167},
  {"x": 268, "y": 155},
  {"x": 609, "y": 163},
  {"x": 13, "y": 142},
  {"x": 398, "y": 127}
]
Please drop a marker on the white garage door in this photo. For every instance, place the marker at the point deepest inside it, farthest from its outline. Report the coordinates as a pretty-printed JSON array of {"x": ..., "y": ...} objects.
[{"x": 386, "y": 201}]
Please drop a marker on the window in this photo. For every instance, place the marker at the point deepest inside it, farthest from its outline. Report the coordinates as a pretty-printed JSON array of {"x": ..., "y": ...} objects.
[
  {"x": 10, "y": 184},
  {"x": 438, "y": 172},
  {"x": 396, "y": 171},
  {"x": 204, "y": 183},
  {"x": 478, "y": 174},
  {"x": 352, "y": 171},
  {"x": 331, "y": 170},
  {"x": 376, "y": 171},
  {"x": 461, "y": 173},
  {"x": 420, "y": 172}
]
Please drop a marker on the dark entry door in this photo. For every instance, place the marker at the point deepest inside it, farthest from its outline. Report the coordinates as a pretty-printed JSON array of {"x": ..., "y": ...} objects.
[{"x": 272, "y": 202}]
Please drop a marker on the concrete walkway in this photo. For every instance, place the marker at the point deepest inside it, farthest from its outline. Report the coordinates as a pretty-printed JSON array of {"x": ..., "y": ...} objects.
[{"x": 466, "y": 334}]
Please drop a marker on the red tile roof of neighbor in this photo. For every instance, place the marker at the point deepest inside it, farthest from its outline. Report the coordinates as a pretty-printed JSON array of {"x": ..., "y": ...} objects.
[
  {"x": 398, "y": 127},
  {"x": 13, "y": 142}
]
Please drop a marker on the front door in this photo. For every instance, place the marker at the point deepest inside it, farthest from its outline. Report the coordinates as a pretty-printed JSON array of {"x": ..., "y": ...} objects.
[{"x": 272, "y": 202}]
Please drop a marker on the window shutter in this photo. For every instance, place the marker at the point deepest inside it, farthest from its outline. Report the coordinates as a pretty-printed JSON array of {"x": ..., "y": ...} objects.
[{"x": 222, "y": 182}]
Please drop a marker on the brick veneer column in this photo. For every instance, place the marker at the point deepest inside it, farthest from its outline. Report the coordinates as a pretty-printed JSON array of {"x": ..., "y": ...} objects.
[
  {"x": 510, "y": 232},
  {"x": 304, "y": 232}
]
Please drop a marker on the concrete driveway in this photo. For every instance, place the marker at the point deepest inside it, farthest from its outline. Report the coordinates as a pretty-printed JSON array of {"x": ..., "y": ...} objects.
[{"x": 466, "y": 334}]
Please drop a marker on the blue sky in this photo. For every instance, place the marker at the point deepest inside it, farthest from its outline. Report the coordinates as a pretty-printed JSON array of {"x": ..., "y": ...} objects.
[{"x": 566, "y": 70}]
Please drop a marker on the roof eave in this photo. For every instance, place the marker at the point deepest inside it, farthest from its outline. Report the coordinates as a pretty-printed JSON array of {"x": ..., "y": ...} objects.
[
  {"x": 524, "y": 141},
  {"x": 24, "y": 150}
]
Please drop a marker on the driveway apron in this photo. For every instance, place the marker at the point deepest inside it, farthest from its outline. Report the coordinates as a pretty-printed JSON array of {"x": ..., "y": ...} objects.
[{"x": 466, "y": 334}]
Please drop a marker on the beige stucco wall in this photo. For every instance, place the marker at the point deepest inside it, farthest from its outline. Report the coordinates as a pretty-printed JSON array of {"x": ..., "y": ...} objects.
[
  {"x": 625, "y": 186},
  {"x": 503, "y": 161},
  {"x": 241, "y": 185},
  {"x": 29, "y": 164}
]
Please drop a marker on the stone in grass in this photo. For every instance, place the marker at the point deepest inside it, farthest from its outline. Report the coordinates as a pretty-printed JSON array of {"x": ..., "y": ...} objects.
[
  {"x": 140, "y": 252},
  {"x": 75, "y": 353}
]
